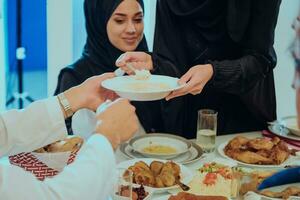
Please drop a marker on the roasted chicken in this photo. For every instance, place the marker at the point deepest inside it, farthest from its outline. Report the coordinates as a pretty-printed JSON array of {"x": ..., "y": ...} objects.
[
  {"x": 158, "y": 175},
  {"x": 259, "y": 151}
]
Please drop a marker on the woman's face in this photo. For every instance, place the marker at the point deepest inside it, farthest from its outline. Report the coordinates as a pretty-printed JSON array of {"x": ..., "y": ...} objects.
[{"x": 125, "y": 27}]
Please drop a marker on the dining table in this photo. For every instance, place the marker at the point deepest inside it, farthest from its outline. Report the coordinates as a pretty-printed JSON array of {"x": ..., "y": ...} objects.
[{"x": 207, "y": 157}]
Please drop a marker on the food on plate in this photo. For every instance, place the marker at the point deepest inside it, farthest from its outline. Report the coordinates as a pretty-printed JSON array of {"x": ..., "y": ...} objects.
[
  {"x": 252, "y": 179},
  {"x": 159, "y": 149},
  {"x": 284, "y": 194},
  {"x": 214, "y": 179},
  {"x": 261, "y": 151},
  {"x": 157, "y": 175},
  {"x": 188, "y": 196},
  {"x": 147, "y": 86},
  {"x": 69, "y": 144},
  {"x": 142, "y": 74},
  {"x": 138, "y": 193},
  {"x": 256, "y": 177}
]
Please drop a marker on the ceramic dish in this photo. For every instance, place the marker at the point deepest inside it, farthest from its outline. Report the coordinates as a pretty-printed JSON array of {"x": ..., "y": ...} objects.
[
  {"x": 279, "y": 189},
  {"x": 185, "y": 173},
  {"x": 291, "y": 124},
  {"x": 289, "y": 161},
  {"x": 156, "y": 145},
  {"x": 195, "y": 153},
  {"x": 281, "y": 131},
  {"x": 155, "y": 88}
]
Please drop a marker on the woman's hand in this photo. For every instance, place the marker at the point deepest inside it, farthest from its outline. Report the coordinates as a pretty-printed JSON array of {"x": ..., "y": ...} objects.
[
  {"x": 90, "y": 94},
  {"x": 138, "y": 60},
  {"x": 195, "y": 80}
]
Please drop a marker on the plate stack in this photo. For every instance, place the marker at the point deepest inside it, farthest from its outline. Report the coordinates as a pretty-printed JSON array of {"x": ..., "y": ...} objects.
[{"x": 162, "y": 146}]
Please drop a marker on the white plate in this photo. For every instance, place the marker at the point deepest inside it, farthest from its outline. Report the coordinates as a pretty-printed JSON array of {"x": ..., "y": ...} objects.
[
  {"x": 280, "y": 188},
  {"x": 155, "y": 88},
  {"x": 291, "y": 124},
  {"x": 186, "y": 174},
  {"x": 195, "y": 153},
  {"x": 180, "y": 144},
  {"x": 289, "y": 161},
  {"x": 283, "y": 132}
]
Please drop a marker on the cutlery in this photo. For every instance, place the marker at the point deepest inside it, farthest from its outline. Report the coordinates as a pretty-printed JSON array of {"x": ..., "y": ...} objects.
[
  {"x": 286, "y": 176},
  {"x": 183, "y": 186}
]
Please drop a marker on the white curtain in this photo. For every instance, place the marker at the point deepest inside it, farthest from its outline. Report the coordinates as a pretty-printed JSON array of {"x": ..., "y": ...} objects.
[{"x": 3, "y": 58}]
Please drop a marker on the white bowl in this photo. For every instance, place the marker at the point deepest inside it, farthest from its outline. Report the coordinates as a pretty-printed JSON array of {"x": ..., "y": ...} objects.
[
  {"x": 155, "y": 88},
  {"x": 180, "y": 144}
]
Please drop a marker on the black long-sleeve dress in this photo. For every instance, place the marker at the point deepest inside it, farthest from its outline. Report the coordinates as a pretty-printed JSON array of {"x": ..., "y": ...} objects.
[{"x": 237, "y": 38}]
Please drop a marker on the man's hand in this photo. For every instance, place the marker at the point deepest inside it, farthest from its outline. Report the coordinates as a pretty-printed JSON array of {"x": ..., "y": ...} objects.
[
  {"x": 138, "y": 60},
  {"x": 118, "y": 122},
  {"x": 195, "y": 80},
  {"x": 90, "y": 94}
]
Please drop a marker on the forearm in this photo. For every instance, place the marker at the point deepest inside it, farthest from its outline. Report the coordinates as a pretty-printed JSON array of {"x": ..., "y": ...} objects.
[
  {"x": 89, "y": 177},
  {"x": 39, "y": 124},
  {"x": 240, "y": 75},
  {"x": 163, "y": 66}
]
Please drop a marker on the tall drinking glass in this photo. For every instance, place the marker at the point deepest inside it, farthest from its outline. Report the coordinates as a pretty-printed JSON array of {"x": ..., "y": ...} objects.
[{"x": 207, "y": 129}]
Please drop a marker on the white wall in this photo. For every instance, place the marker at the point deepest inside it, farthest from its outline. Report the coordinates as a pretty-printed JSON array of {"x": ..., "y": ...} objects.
[
  {"x": 3, "y": 59},
  {"x": 284, "y": 70},
  {"x": 150, "y": 8},
  {"x": 79, "y": 32},
  {"x": 59, "y": 39}
]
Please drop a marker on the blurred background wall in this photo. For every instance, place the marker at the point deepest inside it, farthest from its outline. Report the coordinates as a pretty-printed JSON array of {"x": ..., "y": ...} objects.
[
  {"x": 3, "y": 64},
  {"x": 284, "y": 70}
]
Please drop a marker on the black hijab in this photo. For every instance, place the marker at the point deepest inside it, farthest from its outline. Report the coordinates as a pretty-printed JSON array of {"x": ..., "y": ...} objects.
[{"x": 98, "y": 47}]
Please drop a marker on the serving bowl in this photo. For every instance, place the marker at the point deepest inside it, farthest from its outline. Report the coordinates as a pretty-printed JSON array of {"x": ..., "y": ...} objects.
[
  {"x": 154, "y": 88},
  {"x": 158, "y": 145}
]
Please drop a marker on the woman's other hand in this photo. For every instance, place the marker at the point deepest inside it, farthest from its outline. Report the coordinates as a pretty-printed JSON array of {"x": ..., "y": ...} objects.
[
  {"x": 195, "y": 80},
  {"x": 138, "y": 60}
]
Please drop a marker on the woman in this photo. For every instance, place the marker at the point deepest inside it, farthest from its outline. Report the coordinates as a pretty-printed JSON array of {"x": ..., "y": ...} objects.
[
  {"x": 113, "y": 27},
  {"x": 224, "y": 51}
]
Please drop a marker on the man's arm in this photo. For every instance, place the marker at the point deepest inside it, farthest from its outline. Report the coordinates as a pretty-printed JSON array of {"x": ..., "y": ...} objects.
[
  {"x": 89, "y": 177},
  {"x": 25, "y": 130}
]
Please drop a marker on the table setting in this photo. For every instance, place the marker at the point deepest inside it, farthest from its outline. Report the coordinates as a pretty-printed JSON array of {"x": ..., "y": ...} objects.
[
  {"x": 161, "y": 166},
  {"x": 269, "y": 151}
]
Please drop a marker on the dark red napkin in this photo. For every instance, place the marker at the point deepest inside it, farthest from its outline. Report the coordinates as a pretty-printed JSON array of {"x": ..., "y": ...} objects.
[{"x": 295, "y": 144}]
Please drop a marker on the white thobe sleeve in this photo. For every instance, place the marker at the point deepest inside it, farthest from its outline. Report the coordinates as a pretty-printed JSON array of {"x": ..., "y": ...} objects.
[
  {"x": 25, "y": 130},
  {"x": 89, "y": 177}
]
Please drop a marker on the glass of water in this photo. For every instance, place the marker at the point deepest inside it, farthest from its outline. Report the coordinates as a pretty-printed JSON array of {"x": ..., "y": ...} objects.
[{"x": 207, "y": 129}]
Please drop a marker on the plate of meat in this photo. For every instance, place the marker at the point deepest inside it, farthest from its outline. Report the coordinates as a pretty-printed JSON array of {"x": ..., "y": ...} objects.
[
  {"x": 158, "y": 175},
  {"x": 257, "y": 152}
]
